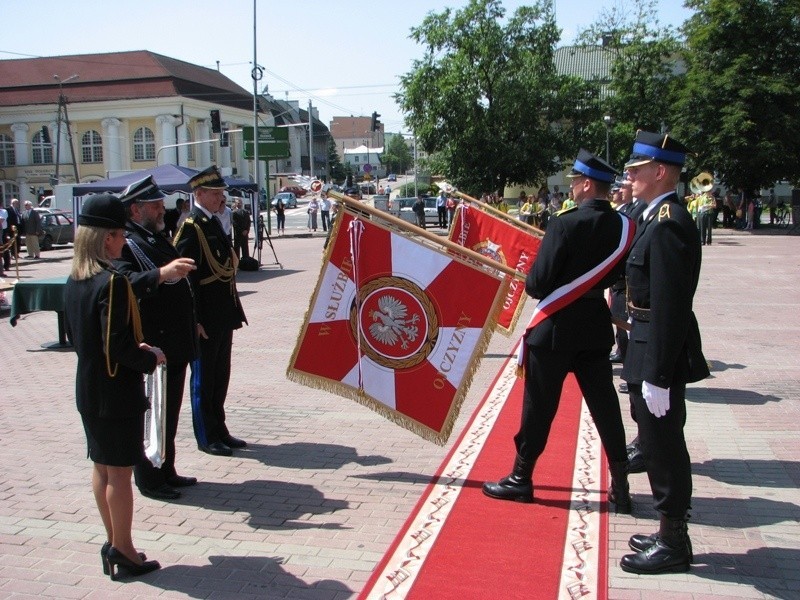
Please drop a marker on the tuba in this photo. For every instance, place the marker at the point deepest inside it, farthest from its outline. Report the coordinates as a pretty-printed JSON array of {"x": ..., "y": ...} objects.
[{"x": 704, "y": 182}]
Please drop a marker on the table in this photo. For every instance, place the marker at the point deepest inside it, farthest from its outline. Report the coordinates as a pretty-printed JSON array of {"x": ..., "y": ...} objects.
[{"x": 41, "y": 294}]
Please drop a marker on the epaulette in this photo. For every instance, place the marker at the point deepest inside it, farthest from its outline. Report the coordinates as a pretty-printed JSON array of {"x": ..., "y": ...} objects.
[
  {"x": 564, "y": 211},
  {"x": 663, "y": 211}
]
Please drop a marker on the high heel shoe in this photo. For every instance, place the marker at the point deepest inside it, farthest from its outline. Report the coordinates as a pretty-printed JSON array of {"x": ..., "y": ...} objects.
[
  {"x": 104, "y": 557},
  {"x": 117, "y": 560}
]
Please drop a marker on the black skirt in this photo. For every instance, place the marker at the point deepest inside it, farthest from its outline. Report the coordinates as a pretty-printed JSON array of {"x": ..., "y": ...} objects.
[{"x": 114, "y": 442}]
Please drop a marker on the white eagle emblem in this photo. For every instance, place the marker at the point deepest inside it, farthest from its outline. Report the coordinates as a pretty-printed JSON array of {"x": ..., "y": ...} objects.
[{"x": 391, "y": 323}]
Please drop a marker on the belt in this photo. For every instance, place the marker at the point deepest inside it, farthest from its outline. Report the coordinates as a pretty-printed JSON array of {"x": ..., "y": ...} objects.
[
  {"x": 594, "y": 293},
  {"x": 640, "y": 314}
]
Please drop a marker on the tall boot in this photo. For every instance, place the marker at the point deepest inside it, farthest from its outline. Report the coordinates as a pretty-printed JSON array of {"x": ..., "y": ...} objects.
[
  {"x": 518, "y": 486},
  {"x": 619, "y": 492},
  {"x": 641, "y": 542},
  {"x": 670, "y": 553}
]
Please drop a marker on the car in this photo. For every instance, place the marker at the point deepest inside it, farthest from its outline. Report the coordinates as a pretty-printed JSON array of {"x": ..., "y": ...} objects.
[
  {"x": 403, "y": 206},
  {"x": 297, "y": 190},
  {"x": 353, "y": 192},
  {"x": 57, "y": 228},
  {"x": 368, "y": 188},
  {"x": 288, "y": 198},
  {"x": 391, "y": 177}
]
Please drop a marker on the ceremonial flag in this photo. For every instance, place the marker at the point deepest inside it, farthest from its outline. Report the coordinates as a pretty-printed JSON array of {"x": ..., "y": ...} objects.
[
  {"x": 397, "y": 325},
  {"x": 504, "y": 242}
]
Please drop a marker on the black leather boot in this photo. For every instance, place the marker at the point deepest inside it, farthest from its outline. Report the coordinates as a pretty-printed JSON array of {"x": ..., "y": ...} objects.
[
  {"x": 619, "y": 491},
  {"x": 517, "y": 486},
  {"x": 641, "y": 542},
  {"x": 670, "y": 553},
  {"x": 635, "y": 458}
]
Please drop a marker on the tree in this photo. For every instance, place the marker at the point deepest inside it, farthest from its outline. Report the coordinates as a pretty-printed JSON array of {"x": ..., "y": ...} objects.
[
  {"x": 645, "y": 72},
  {"x": 739, "y": 109},
  {"x": 397, "y": 157},
  {"x": 486, "y": 100},
  {"x": 335, "y": 168}
]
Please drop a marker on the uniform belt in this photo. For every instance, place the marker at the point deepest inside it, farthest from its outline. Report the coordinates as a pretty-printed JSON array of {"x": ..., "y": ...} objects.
[
  {"x": 640, "y": 314},
  {"x": 594, "y": 293}
]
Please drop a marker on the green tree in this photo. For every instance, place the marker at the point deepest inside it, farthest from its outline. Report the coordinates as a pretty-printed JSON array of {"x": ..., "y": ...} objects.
[
  {"x": 336, "y": 170},
  {"x": 397, "y": 157},
  {"x": 739, "y": 109},
  {"x": 486, "y": 101},
  {"x": 645, "y": 72}
]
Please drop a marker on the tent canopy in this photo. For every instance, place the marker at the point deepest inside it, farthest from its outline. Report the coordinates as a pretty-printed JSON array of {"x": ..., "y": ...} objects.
[{"x": 170, "y": 178}]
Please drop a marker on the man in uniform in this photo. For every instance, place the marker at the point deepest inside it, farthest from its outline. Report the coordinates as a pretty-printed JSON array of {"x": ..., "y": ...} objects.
[
  {"x": 219, "y": 311},
  {"x": 158, "y": 276},
  {"x": 578, "y": 337},
  {"x": 240, "y": 221},
  {"x": 664, "y": 353}
]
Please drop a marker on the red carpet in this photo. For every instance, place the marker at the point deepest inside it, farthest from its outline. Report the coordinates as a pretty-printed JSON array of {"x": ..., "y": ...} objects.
[{"x": 460, "y": 544}]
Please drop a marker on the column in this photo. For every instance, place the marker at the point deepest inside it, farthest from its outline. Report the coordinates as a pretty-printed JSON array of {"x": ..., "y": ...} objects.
[
  {"x": 203, "y": 151},
  {"x": 112, "y": 144},
  {"x": 22, "y": 148},
  {"x": 165, "y": 137},
  {"x": 183, "y": 151}
]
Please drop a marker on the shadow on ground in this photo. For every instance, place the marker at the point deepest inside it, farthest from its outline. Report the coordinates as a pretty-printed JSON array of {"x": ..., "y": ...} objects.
[
  {"x": 751, "y": 472},
  {"x": 704, "y": 395},
  {"x": 765, "y": 569},
  {"x": 303, "y": 455}
]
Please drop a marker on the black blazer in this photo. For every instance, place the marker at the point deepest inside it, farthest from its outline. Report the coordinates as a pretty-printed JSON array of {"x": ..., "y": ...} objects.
[
  {"x": 168, "y": 318},
  {"x": 95, "y": 320},
  {"x": 575, "y": 242},
  {"x": 662, "y": 269},
  {"x": 216, "y": 300}
]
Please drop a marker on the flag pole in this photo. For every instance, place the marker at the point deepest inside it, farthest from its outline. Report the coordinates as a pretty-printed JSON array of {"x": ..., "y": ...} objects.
[
  {"x": 405, "y": 225},
  {"x": 443, "y": 185}
]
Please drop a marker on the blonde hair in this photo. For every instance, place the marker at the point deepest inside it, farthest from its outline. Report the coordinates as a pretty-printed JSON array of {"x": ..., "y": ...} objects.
[{"x": 89, "y": 255}]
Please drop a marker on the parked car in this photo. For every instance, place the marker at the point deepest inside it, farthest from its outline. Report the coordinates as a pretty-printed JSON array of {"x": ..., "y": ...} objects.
[
  {"x": 289, "y": 199},
  {"x": 353, "y": 192},
  {"x": 403, "y": 206},
  {"x": 57, "y": 228},
  {"x": 391, "y": 177},
  {"x": 368, "y": 188},
  {"x": 297, "y": 190}
]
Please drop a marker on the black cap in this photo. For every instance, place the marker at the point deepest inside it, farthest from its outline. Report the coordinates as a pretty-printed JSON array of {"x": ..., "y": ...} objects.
[
  {"x": 102, "y": 210},
  {"x": 144, "y": 190},
  {"x": 648, "y": 147},
  {"x": 593, "y": 167},
  {"x": 209, "y": 178}
]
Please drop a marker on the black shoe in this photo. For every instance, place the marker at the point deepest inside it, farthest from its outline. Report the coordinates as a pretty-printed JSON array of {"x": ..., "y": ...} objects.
[
  {"x": 177, "y": 481},
  {"x": 616, "y": 358},
  {"x": 217, "y": 449},
  {"x": 623, "y": 388},
  {"x": 636, "y": 461},
  {"x": 162, "y": 492},
  {"x": 640, "y": 542},
  {"x": 117, "y": 562},
  {"x": 517, "y": 487},
  {"x": 104, "y": 557},
  {"x": 233, "y": 442},
  {"x": 658, "y": 558}
]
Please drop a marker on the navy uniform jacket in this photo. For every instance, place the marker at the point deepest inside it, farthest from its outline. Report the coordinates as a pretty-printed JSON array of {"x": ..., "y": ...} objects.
[
  {"x": 213, "y": 282},
  {"x": 662, "y": 270},
  {"x": 89, "y": 306},
  {"x": 168, "y": 319},
  {"x": 577, "y": 241}
]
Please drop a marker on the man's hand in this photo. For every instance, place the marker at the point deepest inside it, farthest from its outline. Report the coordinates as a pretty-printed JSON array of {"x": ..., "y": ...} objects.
[
  {"x": 656, "y": 398},
  {"x": 178, "y": 268},
  {"x": 201, "y": 332},
  {"x": 161, "y": 359}
]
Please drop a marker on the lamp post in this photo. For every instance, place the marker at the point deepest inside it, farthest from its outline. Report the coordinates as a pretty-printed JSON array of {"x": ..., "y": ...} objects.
[{"x": 609, "y": 121}]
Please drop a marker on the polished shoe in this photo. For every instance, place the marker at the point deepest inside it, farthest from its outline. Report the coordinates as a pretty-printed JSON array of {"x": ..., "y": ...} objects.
[
  {"x": 517, "y": 487},
  {"x": 636, "y": 461},
  {"x": 177, "y": 481},
  {"x": 640, "y": 542},
  {"x": 162, "y": 492},
  {"x": 104, "y": 557},
  {"x": 233, "y": 442},
  {"x": 119, "y": 564},
  {"x": 217, "y": 449},
  {"x": 669, "y": 550},
  {"x": 616, "y": 358}
]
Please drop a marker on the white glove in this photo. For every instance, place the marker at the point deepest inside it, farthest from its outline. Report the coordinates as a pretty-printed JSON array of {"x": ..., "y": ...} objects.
[{"x": 656, "y": 398}]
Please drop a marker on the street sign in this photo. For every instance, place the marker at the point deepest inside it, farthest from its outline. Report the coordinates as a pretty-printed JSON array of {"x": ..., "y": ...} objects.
[
  {"x": 367, "y": 168},
  {"x": 273, "y": 142},
  {"x": 316, "y": 186}
]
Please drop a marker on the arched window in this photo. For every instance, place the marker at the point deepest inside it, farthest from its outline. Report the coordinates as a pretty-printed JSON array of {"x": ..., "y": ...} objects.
[
  {"x": 7, "y": 156},
  {"x": 91, "y": 147},
  {"x": 42, "y": 151},
  {"x": 144, "y": 144}
]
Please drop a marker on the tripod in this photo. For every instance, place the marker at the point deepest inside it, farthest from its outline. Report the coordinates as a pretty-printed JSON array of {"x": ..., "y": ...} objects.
[{"x": 262, "y": 234}]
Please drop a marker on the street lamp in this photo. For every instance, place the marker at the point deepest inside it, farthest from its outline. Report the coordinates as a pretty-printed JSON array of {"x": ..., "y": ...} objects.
[{"x": 609, "y": 121}]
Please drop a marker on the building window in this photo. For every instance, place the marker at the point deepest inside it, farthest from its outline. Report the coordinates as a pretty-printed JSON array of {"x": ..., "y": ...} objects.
[
  {"x": 9, "y": 190},
  {"x": 91, "y": 147},
  {"x": 355, "y": 159},
  {"x": 7, "y": 156},
  {"x": 42, "y": 151},
  {"x": 189, "y": 148},
  {"x": 144, "y": 144}
]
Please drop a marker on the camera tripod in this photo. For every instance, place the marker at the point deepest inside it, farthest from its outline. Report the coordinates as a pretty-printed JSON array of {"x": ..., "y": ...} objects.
[{"x": 261, "y": 234}]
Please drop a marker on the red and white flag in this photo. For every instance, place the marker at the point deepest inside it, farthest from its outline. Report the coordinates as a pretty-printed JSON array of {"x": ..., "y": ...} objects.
[
  {"x": 503, "y": 242},
  {"x": 397, "y": 325}
]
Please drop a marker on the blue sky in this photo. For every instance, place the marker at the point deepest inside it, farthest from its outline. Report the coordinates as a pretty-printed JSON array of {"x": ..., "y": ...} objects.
[{"x": 345, "y": 56}]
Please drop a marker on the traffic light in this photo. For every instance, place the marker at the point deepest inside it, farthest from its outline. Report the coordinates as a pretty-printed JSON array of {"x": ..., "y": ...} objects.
[
  {"x": 45, "y": 135},
  {"x": 375, "y": 122},
  {"x": 223, "y": 139},
  {"x": 216, "y": 125}
]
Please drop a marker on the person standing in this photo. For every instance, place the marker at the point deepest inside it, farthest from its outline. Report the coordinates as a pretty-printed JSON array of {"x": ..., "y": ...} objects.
[
  {"x": 15, "y": 220},
  {"x": 219, "y": 311},
  {"x": 665, "y": 353},
  {"x": 418, "y": 208},
  {"x": 280, "y": 217},
  {"x": 581, "y": 254},
  {"x": 325, "y": 211},
  {"x": 102, "y": 322},
  {"x": 240, "y": 220},
  {"x": 313, "y": 209},
  {"x": 33, "y": 229},
  {"x": 158, "y": 276},
  {"x": 5, "y": 235},
  {"x": 441, "y": 209}
]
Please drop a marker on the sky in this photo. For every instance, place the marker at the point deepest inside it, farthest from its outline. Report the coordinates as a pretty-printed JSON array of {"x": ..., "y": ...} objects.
[{"x": 346, "y": 57}]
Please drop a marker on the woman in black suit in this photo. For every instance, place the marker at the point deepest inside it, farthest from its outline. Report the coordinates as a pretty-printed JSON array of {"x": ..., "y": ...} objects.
[{"x": 102, "y": 320}]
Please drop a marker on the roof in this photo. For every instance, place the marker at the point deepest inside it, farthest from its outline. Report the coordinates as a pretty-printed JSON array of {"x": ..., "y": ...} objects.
[
  {"x": 114, "y": 76},
  {"x": 364, "y": 150},
  {"x": 591, "y": 63}
]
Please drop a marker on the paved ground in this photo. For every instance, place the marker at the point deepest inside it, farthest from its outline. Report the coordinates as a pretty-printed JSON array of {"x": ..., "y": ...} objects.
[{"x": 309, "y": 508}]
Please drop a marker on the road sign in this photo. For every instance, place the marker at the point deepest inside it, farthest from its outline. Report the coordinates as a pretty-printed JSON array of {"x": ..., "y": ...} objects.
[
  {"x": 367, "y": 168},
  {"x": 316, "y": 186},
  {"x": 273, "y": 142}
]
